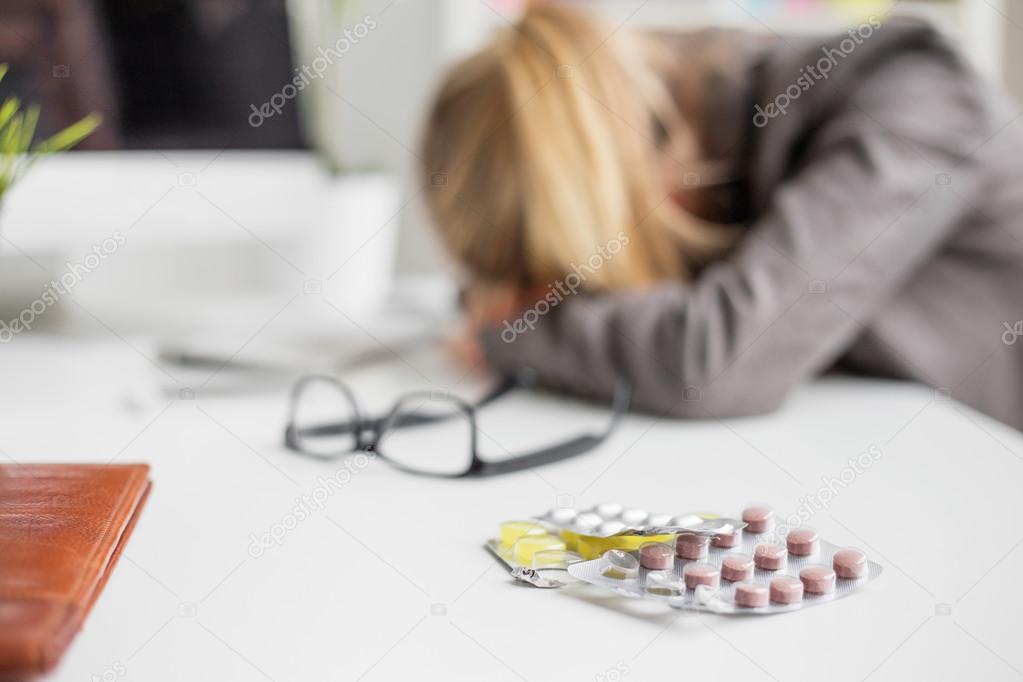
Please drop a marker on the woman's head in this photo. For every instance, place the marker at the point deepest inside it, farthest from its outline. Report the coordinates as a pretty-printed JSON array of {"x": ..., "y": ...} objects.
[{"x": 545, "y": 151}]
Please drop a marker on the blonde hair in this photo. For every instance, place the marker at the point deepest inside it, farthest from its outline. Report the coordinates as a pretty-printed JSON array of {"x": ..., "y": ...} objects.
[{"x": 542, "y": 148}]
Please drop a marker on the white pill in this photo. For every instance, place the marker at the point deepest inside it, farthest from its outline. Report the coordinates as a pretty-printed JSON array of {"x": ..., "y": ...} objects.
[
  {"x": 658, "y": 520},
  {"x": 610, "y": 528},
  {"x": 608, "y": 510},
  {"x": 561, "y": 516},
  {"x": 634, "y": 517},
  {"x": 586, "y": 522},
  {"x": 686, "y": 520}
]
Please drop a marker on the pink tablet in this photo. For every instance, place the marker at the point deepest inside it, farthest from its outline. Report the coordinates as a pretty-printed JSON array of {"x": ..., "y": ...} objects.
[
  {"x": 736, "y": 567},
  {"x": 818, "y": 579},
  {"x": 701, "y": 574},
  {"x": 786, "y": 590},
  {"x": 850, "y": 563},
  {"x": 803, "y": 541},
  {"x": 758, "y": 519},
  {"x": 691, "y": 546},
  {"x": 727, "y": 539},
  {"x": 751, "y": 595},
  {"x": 770, "y": 557},
  {"x": 656, "y": 556}
]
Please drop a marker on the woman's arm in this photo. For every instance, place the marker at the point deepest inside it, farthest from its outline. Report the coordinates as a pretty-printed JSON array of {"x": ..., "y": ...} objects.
[{"x": 841, "y": 236}]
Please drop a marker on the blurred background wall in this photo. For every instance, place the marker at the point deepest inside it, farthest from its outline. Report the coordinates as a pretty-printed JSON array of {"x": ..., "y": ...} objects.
[
  {"x": 255, "y": 151},
  {"x": 420, "y": 38}
]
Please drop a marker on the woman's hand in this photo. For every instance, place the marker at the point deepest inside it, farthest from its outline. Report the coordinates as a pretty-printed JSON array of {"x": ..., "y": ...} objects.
[
  {"x": 490, "y": 305},
  {"x": 484, "y": 306}
]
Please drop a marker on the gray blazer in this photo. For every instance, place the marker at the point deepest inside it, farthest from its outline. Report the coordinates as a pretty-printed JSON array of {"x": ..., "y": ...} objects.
[{"x": 885, "y": 236}]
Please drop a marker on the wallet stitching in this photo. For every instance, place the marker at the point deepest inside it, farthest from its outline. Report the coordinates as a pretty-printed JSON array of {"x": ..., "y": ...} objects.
[
  {"x": 69, "y": 602},
  {"x": 135, "y": 473}
]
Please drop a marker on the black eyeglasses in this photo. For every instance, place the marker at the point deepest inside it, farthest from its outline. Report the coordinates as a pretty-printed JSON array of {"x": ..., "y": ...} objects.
[{"x": 433, "y": 433}]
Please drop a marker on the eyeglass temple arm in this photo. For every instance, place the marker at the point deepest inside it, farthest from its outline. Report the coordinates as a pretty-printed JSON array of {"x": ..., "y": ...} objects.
[
  {"x": 569, "y": 448},
  {"x": 619, "y": 406},
  {"x": 549, "y": 455}
]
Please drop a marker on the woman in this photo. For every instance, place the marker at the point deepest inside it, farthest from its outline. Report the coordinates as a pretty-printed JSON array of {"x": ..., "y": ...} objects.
[{"x": 717, "y": 220}]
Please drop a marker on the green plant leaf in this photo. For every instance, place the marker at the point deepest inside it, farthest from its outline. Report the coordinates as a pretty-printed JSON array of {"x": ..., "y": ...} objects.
[
  {"x": 11, "y": 136},
  {"x": 9, "y": 108},
  {"x": 70, "y": 136},
  {"x": 28, "y": 129},
  {"x": 17, "y": 131},
  {"x": 9, "y": 152}
]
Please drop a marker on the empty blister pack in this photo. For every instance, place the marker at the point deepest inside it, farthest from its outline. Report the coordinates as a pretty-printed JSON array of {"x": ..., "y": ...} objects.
[{"x": 533, "y": 554}]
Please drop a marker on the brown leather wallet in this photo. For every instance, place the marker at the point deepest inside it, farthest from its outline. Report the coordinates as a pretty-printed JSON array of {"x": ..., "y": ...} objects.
[{"x": 62, "y": 528}]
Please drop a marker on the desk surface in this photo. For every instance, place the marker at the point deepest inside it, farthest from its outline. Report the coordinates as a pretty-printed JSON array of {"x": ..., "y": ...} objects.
[{"x": 388, "y": 579}]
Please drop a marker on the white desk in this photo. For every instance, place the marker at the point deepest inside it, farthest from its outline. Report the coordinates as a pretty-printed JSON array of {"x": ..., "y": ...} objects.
[{"x": 389, "y": 581}]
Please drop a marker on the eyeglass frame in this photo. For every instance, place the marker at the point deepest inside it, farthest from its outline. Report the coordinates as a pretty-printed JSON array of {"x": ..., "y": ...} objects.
[{"x": 369, "y": 432}]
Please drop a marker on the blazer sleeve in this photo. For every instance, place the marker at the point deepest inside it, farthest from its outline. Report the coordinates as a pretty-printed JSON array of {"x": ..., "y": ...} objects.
[{"x": 879, "y": 190}]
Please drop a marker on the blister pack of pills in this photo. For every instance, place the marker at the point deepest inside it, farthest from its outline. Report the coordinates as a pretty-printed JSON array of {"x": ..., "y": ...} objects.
[
  {"x": 588, "y": 534},
  {"x": 610, "y": 518},
  {"x": 698, "y": 561},
  {"x": 757, "y": 570}
]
